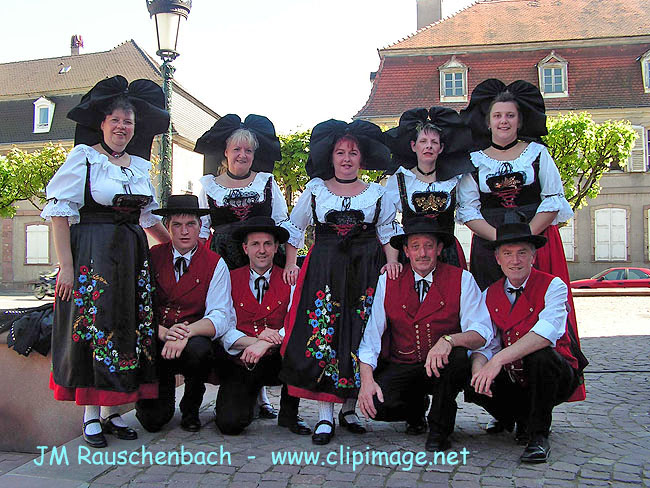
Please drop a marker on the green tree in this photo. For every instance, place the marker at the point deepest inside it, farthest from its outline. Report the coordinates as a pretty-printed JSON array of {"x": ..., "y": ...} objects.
[
  {"x": 23, "y": 176},
  {"x": 290, "y": 171},
  {"x": 584, "y": 150}
]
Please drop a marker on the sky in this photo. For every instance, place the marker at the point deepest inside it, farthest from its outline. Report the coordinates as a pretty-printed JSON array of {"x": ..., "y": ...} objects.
[{"x": 298, "y": 62}]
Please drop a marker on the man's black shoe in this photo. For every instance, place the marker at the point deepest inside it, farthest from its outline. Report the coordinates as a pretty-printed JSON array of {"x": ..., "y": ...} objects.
[
  {"x": 437, "y": 442},
  {"x": 495, "y": 426},
  {"x": 536, "y": 451},
  {"x": 416, "y": 428},
  {"x": 297, "y": 425},
  {"x": 191, "y": 423}
]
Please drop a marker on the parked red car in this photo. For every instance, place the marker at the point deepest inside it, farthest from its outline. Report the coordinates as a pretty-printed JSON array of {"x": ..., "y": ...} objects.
[{"x": 616, "y": 278}]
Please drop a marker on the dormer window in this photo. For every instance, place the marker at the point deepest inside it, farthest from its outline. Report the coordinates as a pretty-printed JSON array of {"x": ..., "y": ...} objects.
[
  {"x": 453, "y": 81},
  {"x": 645, "y": 71},
  {"x": 553, "y": 79},
  {"x": 43, "y": 113}
]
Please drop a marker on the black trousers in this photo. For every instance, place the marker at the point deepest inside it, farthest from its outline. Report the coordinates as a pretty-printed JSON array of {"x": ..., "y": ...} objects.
[
  {"x": 194, "y": 364},
  {"x": 405, "y": 386},
  {"x": 550, "y": 381},
  {"x": 238, "y": 392}
]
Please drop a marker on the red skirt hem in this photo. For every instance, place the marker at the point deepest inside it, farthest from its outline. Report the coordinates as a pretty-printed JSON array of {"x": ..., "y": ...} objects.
[
  {"x": 105, "y": 398},
  {"x": 294, "y": 391}
]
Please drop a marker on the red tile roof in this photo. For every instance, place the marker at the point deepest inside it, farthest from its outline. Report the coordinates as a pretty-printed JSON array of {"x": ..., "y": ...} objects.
[
  {"x": 490, "y": 22},
  {"x": 599, "y": 77}
]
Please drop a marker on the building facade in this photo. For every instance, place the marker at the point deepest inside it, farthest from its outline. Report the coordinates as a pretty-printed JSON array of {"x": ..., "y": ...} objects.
[{"x": 584, "y": 55}]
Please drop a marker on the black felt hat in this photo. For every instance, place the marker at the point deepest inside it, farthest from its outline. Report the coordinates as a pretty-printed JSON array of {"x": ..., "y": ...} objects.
[
  {"x": 182, "y": 204},
  {"x": 260, "y": 224},
  {"x": 456, "y": 136},
  {"x": 422, "y": 225},
  {"x": 213, "y": 142},
  {"x": 531, "y": 105},
  {"x": 324, "y": 136},
  {"x": 515, "y": 232},
  {"x": 147, "y": 97}
]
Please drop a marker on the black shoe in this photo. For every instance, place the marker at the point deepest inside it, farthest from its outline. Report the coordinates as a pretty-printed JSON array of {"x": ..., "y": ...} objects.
[
  {"x": 324, "y": 437},
  {"x": 354, "y": 427},
  {"x": 495, "y": 426},
  {"x": 267, "y": 411},
  {"x": 416, "y": 428},
  {"x": 521, "y": 434},
  {"x": 536, "y": 451},
  {"x": 437, "y": 442},
  {"x": 124, "y": 433},
  {"x": 296, "y": 425},
  {"x": 191, "y": 423},
  {"x": 94, "y": 440}
]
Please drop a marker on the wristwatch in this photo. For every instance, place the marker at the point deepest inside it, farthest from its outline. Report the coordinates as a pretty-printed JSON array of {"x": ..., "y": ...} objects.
[{"x": 448, "y": 338}]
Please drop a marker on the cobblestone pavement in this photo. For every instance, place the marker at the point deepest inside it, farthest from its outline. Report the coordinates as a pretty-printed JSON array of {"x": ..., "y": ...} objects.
[{"x": 603, "y": 441}]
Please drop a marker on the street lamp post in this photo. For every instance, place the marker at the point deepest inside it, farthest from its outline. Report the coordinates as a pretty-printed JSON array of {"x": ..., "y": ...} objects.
[{"x": 168, "y": 15}]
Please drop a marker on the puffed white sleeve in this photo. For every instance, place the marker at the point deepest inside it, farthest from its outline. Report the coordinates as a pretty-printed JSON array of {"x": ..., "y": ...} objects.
[
  {"x": 147, "y": 219},
  {"x": 552, "y": 193},
  {"x": 370, "y": 346},
  {"x": 299, "y": 219},
  {"x": 206, "y": 221},
  {"x": 387, "y": 226},
  {"x": 279, "y": 212},
  {"x": 469, "y": 200},
  {"x": 391, "y": 195},
  {"x": 65, "y": 191}
]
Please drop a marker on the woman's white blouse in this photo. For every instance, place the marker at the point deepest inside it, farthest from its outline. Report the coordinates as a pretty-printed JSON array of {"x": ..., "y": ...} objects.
[
  {"x": 65, "y": 191},
  {"x": 219, "y": 193},
  {"x": 552, "y": 191},
  {"x": 366, "y": 201}
]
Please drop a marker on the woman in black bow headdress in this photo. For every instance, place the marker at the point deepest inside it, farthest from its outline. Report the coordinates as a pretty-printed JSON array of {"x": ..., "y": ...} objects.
[
  {"x": 103, "y": 343},
  {"x": 335, "y": 288},
  {"x": 431, "y": 148},
  {"x": 515, "y": 179},
  {"x": 242, "y": 186}
]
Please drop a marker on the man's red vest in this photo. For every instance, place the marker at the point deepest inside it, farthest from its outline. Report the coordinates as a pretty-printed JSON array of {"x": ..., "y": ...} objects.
[
  {"x": 185, "y": 300},
  {"x": 254, "y": 317},
  {"x": 414, "y": 327},
  {"x": 515, "y": 322}
]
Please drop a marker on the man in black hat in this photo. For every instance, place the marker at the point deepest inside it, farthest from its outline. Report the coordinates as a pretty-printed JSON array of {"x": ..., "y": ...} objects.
[
  {"x": 531, "y": 365},
  {"x": 261, "y": 299},
  {"x": 193, "y": 308},
  {"x": 427, "y": 318}
]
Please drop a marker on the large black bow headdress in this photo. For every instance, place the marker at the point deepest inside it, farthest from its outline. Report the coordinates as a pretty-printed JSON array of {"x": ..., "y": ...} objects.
[
  {"x": 531, "y": 105},
  {"x": 457, "y": 138},
  {"x": 374, "y": 153},
  {"x": 213, "y": 143},
  {"x": 147, "y": 97}
]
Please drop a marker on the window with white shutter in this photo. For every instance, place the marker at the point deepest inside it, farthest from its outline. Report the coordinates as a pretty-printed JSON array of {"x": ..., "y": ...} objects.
[
  {"x": 567, "y": 233},
  {"x": 611, "y": 234},
  {"x": 638, "y": 160},
  {"x": 37, "y": 244}
]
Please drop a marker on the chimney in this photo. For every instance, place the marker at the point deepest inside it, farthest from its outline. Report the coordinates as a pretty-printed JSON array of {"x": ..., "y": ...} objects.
[
  {"x": 429, "y": 11},
  {"x": 76, "y": 42}
]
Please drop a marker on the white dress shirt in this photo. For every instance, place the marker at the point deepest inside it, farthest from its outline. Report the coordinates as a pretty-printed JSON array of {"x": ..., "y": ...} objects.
[
  {"x": 251, "y": 283},
  {"x": 218, "y": 302},
  {"x": 551, "y": 323},
  {"x": 473, "y": 316}
]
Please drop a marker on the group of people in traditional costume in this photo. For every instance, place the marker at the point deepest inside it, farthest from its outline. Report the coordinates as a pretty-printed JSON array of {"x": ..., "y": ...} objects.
[{"x": 380, "y": 313}]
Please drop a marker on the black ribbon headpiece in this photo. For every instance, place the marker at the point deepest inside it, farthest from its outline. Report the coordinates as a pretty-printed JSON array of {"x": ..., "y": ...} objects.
[
  {"x": 374, "y": 154},
  {"x": 147, "y": 97},
  {"x": 527, "y": 95},
  {"x": 454, "y": 159},
  {"x": 213, "y": 143}
]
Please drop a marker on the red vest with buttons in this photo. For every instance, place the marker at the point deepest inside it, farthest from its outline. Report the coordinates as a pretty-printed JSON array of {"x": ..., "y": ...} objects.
[
  {"x": 184, "y": 300},
  {"x": 516, "y": 321},
  {"x": 254, "y": 317},
  {"x": 414, "y": 327}
]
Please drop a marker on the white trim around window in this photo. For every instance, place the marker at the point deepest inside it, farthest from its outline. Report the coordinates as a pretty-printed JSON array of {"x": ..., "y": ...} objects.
[
  {"x": 553, "y": 76},
  {"x": 453, "y": 81},
  {"x": 645, "y": 71},
  {"x": 43, "y": 114}
]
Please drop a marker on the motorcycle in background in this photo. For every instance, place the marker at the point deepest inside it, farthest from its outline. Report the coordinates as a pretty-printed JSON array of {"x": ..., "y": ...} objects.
[{"x": 46, "y": 284}]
